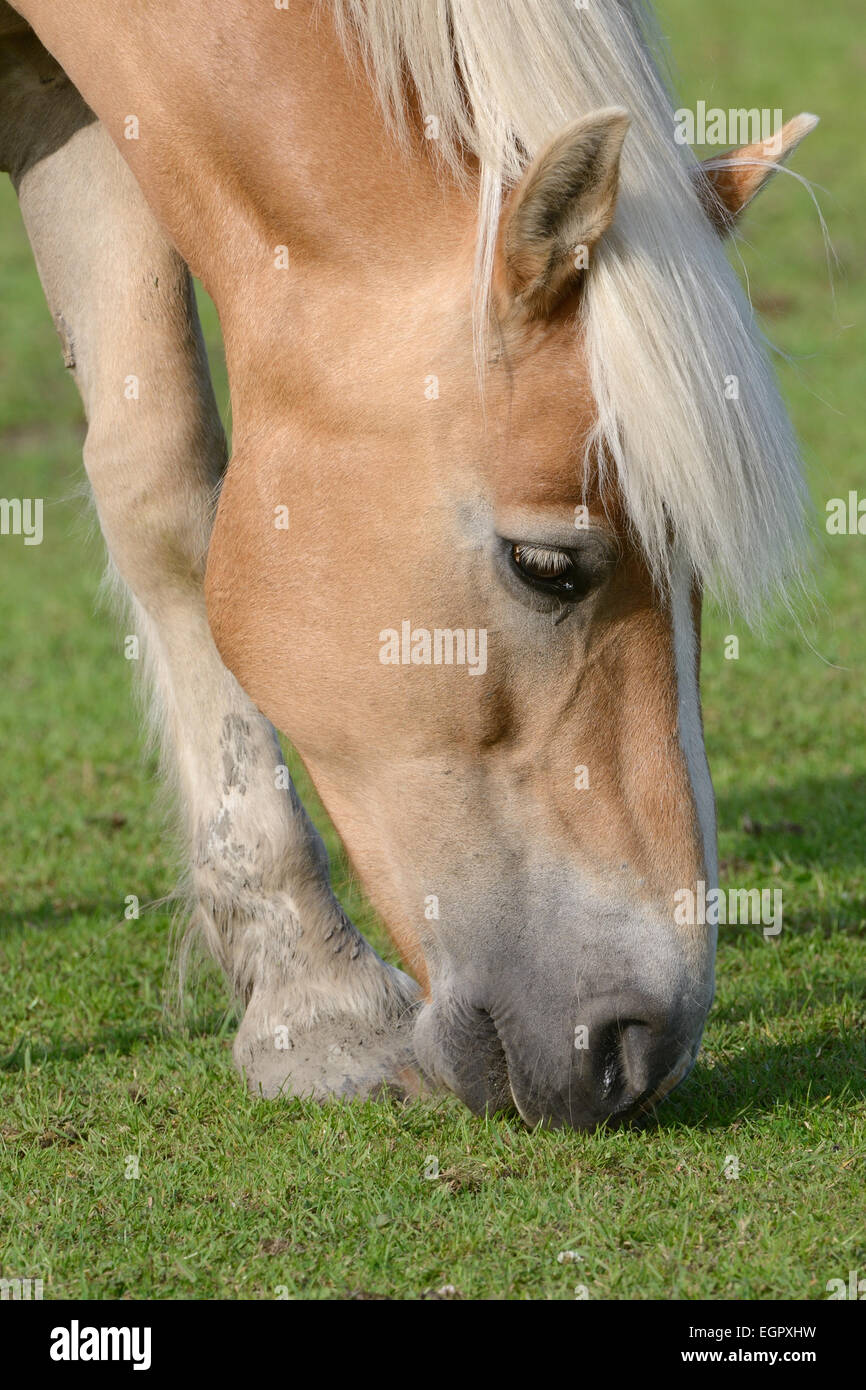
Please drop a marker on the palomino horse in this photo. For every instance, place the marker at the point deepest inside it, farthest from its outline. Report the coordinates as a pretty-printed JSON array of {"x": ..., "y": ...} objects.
[{"x": 481, "y": 334}]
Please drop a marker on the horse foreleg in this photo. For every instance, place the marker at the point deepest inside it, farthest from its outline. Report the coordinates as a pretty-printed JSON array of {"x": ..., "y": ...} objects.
[{"x": 324, "y": 1015}]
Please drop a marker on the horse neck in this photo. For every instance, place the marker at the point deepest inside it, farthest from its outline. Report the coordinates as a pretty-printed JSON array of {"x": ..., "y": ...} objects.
[
  {"x": 347, "y": 251},
  {"x": 256, "y": 133}
]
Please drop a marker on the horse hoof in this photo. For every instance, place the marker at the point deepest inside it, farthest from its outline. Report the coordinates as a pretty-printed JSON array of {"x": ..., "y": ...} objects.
[{"x": 343, "y": 1058}]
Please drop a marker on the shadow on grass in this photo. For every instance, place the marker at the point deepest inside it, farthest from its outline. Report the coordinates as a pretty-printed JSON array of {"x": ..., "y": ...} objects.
[
  {"x": 119, "y": 1040},
  {"x": 815, "y": 820},
  {"x": 764, "y": 1076},
  {"x": 96, "y": 916}
]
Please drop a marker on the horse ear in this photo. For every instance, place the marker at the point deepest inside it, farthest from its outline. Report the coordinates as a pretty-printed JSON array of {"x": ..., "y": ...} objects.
[
  {"x": 727, "y": 183},
  {"x": 558, "y": 211}
]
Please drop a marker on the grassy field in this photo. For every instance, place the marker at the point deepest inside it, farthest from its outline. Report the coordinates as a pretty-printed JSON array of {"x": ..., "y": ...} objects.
[{"x": 238, "y": 1199}]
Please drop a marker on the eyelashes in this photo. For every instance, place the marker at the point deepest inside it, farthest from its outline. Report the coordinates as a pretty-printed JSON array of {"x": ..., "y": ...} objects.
[
  {"x": 552, "y": 572},
  {"x": 559, "y": 574},
  {"x": 538, "y": 560}
]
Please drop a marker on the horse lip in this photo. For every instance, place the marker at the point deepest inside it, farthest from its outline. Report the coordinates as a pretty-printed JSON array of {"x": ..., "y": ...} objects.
[
  {"x": 632, "y": 1110},
  {"x": 497, "y": 1084},
  {"x": 673, "y": 1079}
]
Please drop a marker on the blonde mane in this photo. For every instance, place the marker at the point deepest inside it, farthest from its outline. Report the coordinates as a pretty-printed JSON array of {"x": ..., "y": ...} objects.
[{"x": 666, "y": 324}]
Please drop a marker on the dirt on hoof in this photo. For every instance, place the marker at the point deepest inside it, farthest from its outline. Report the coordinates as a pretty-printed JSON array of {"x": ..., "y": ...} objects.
[{"x": 336, "y": 1059}]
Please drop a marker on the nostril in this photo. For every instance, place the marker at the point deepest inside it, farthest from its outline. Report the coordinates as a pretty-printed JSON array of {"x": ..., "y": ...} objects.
[
  {"x": 611, "y": 1065},
  {"x": 630, "y": 1039},
  {"x": 638, "y": 1041},
  {"x": 621, "y": 1067}
]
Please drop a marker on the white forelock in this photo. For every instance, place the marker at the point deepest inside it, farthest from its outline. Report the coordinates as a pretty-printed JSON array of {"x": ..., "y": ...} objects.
[{"x": 666, "y": 324}]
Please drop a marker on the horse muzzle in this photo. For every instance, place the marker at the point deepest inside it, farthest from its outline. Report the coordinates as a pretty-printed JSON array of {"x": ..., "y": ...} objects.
[{"x": 607, "y": 1059}]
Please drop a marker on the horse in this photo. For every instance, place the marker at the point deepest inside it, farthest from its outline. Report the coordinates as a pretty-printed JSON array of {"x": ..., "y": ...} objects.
[{"x": 480, "y": 329}]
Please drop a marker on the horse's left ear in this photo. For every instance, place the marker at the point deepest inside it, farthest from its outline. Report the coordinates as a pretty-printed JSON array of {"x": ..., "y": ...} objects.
[
  {"x": 558, "y": 211},
  {"x": 727, "y": 183}
]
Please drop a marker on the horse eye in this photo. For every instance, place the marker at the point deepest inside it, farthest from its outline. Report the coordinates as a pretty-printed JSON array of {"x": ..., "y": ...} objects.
[{"x": 551, "y": 571}]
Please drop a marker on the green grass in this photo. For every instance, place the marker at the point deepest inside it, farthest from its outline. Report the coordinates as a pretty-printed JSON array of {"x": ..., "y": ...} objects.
[{"x": 239, "y": 1199}]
